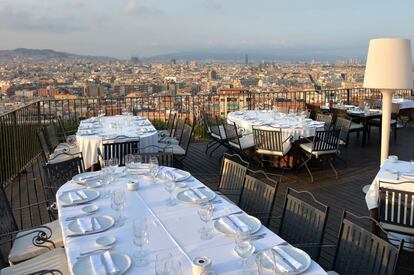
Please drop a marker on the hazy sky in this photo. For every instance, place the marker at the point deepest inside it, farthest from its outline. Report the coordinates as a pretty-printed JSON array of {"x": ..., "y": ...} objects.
[{"x": 121, "y": 28}]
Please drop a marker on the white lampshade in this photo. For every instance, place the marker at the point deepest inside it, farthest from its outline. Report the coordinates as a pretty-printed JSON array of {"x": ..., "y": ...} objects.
[{"x": 389, "y": 64}]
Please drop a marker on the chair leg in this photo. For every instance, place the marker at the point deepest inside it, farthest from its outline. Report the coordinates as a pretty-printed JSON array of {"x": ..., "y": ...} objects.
[
  {"x": 333, "y": 167},
  {"x": 218, "y": 146},
  {"x": 395, "y": 132},
  {"x": 209, "y": 144},
  {"x": 305, "y": 163}
]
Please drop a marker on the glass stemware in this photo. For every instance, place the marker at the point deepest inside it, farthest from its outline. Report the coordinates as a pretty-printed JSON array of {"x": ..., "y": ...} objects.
[
  {"x": 141, "y": 238},
  {"x": 153, "y": 163},
  {"x": 118, "y": 201},
  {"x": 244, "y": 248},
  {"x": 266, "y": 262},
  {"x": 169, "y": 185},
  {"x": 205, "y": 211},
  {"x": 165, "y": 265},
  {"x": 113, "y": 164}
]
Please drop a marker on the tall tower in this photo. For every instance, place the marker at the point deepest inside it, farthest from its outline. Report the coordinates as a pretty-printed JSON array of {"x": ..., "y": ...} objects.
[{"x": 246, "y": 59}]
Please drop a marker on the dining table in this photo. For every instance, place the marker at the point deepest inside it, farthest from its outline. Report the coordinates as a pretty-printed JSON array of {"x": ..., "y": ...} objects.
[
  {"x": 171, "y": 229},
  {"x": 295, "y": 125},
  {"x": 95, "y": 131},
  {"x": 364, "y": 116}
]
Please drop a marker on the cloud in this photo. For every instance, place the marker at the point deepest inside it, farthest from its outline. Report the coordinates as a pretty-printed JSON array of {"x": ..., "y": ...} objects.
[
  {"x": 212, "y": 4},
  {"x": 133, "y": 8},
  {"x": 77, "y": 4},
  {"x": 25, "y": 20}
]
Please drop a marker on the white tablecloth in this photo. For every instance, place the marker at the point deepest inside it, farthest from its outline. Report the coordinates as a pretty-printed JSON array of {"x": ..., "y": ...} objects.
[
  {"x": 388, "y": 173},
  {"x": 290, "y": 124},
  {"x": 174, "y": 229},
  {"x": 404, "y": 103},
  {"x": 88, "y": 144}
]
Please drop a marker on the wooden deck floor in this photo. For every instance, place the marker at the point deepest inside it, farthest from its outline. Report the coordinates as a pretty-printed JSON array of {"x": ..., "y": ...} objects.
[{"x": 339, "y": 194}]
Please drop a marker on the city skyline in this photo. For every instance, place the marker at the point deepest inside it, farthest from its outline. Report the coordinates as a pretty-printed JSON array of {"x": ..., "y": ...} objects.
[{"x": 146, "y": 28}]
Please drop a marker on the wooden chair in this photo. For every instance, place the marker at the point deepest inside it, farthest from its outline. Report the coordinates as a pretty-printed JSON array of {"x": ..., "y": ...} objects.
[
  {"x": 396, "y": 209},
  {"x": 303, "y": 222},
  {"x": 360, "y": 252},
  {"x": 325, "y": 118},
  {"x": 118, "y": 148},
  {"x": 325, "y": 145},
  {"x": 272, "y": 143},
  {"x": 232, "y": 173},
  {"x": 258, "y": 195}
]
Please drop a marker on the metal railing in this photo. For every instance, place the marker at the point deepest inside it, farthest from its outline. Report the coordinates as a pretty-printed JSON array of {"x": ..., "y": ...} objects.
[{"x": 18, "y": 140}]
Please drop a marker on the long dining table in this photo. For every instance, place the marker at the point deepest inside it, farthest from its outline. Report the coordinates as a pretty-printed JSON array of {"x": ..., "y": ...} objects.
[{"x": 172, "y": 228}]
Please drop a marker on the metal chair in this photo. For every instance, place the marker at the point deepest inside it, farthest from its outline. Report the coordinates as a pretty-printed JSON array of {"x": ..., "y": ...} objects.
[
  {"x": 344, "y": 125},
  {"x": 396, "y": 209},
  {"x": 233, "y": 137},
  {"x": 180, "y": 150},
  {"x": 170, "y": 126},
  {"x": 163, "y": 154},
  {"x": 258, "y": 195},
  {"x": 118, "y": 148},
  {"x": 325, "y": 145},
  {"x": 360, "y": 252},
  {"x": 217, "y": 133},
  {"x": 303, "y": 224},
  {"x": 325, "y": 118},
  {"x": 69, "y": 136},
  {"x": 175, "y": 138},
  {"x": 24, "y": 244},
  {"x": 377, "y": 122},
  {"x": 271, "y": 142},
  {"x": 232, "y": 173}
]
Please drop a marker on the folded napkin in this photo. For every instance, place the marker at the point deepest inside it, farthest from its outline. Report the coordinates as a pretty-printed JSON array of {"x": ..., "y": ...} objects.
[
  {"x": 234, "y": 224},
  {"x": 109, "y": 263},
  {"x": 88, "y": 177},
  {"x": 87, "y": 224},
  {"x": 78, "y": 195},
  {"x": 195, "y": 195},
  {"x": 98, "y": 268},
  {"x": 282, "y": 256},
  {"x": 176, "y": 174}
]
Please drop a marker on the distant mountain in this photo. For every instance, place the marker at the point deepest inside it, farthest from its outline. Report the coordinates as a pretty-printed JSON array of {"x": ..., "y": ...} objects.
[
  {"x": 240, "y": 57},
  {"x": 45, "y": 54}
]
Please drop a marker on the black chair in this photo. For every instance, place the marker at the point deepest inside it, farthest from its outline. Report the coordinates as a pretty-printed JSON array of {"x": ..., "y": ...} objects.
[
  {"x": 360, "y": 252},
  {"x": 175, "y": 138},
  {"x": 163, "y": 154},
  {"x": 258, "y": 195},
  {"x": 170, "y": 126},
  {"x": 232, "y": 137},
  {"x": 327, "y": 118},
  {"x": 303, "y": 222},
  {"x": 61, "y": 171},
  {"x": 324, "y": 145},
  {"x": 344, "y": 125},
  {"x": 217, "y": 133},
  {"x": 232, "y": 173},
  {"x": 21, "y": 245},
  {"x": 377, "y": 122},
  {"x": 68, "y": 135},
  {"x": 118, "y": 148},
  {"x": 395, "y": 209},
  {"x": 43, "y": 144}
]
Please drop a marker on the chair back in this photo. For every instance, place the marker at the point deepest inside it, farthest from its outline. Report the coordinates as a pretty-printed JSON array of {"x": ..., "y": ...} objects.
[
  {"x": 258, "y": 195},
  {"x": 118, "y": 148},
  {"x": 343, "y": 125},
  {"x": 360, "y": 252},
  {"x": 164, "y": 155},
  {"x": 113, "y": 111},
  {"x": 338, "y": 112},
  {"x": 395, "y": 109},
  {"x": 62, "y": 127},
  {"x": 327, "y": 140},
  {"x": 268, "y": 140},
  {"x": 314, "y": 108},
  {"x": 325, "y": 118},
  {"x": 232, "y": 174},
  {"x": 51, "y": 136},
  {"x": 303, "y": 222},
  {"x": 215, "y": 124},
  {"x": 43, "y": 143},
  {"x": 7, "y": 224},
  {"x": 186, "y": 137},
  {"x": 396, "y": 207},
  {"x": 58, "y": 173},
  {"x": 206, "y": 121},
  {"x": 170, "y": 123},
  {"x": 179, "y": 128}
]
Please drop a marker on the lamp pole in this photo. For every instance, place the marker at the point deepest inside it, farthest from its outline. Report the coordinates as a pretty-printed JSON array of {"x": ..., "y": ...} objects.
[{"x": 386, "y": 123}]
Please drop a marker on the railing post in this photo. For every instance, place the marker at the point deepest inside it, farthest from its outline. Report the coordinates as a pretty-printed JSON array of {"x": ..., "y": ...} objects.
[{"x": 348, "y": 96}]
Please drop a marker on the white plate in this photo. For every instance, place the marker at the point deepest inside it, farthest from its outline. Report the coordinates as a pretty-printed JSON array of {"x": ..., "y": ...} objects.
[
  {"x": 183, "y": 175},
  {"x": 105, "y": 222},
  {"x": 105, "y": 241},
  {"x": 90, "y": 193},
  {"x": 252, "y": 222},
  {"x": 88, "y": 209},
  {"x": 184, "y": 198},
  {"x": 121, "y": 261},
  {"x": 300, "y": 256},
  {"x": 82, "y": 177}
]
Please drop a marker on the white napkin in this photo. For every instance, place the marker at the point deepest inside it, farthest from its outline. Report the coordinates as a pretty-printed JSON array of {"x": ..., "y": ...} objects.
[
  {"x": 98, "y": 268},
  {"x": 288, "y": 258},
  {"x": 191, "y": 195},
  {"x": 175, "y": 173},
  {"x": 110, "y": 266},
  {"x": 234, "y": 224},
  {"x": 280, "y": 264},
  {"x": 409, "y": 176},
  {"x": 77, "y": 195},
  {"x": 87, "y": 224},
  {"x": 199, "y": 194}
]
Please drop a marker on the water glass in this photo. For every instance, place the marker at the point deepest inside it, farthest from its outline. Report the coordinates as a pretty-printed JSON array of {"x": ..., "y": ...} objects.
[
  {"x": 244, "y": 248},
  {"x": 165, "y": 265},
  {"x": 266, "y": 262},
  {"x": 113, "y": 164},
  {"x": 169, "y": 185},
  {"x": 118, "y": 201},
  {"x": 205, "y": 211},
  {"x": 153, "y": 163},
  {"x": 141, "y": 238}
]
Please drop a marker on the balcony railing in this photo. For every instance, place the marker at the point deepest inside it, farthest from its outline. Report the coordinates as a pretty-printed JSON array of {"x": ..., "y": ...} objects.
[{"x": 18, "y": 140}]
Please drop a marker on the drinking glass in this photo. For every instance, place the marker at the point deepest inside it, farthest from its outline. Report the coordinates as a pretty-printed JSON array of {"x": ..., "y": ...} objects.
[
  {"x": 153, "y": 163},
  {"x": 205, "y": 211},
  {"x": 118, "y": 201},
  {"x": 113, "y": 164},
  {"x": 244, "y": 248},
  {"x": 104, "y": 177},
  {"x": 165, "y": 265},
  {"x": 266, "y": 262},
  {"x": 129, "y": 159},
  {"x": 141, "y": 238},
  {"x": 169, "y": 185}
]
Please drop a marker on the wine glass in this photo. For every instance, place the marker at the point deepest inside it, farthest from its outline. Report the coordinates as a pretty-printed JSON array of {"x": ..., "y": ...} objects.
[
  {"x": 205, "y": 211},
  {"x": 153, "y": 163},
  {"x": 169, "y": 185},
  {"x": 244, "y": 248},
  {"x": 165, "y": 265},
  {"x": 129, "y": 160},
  {"x": 113, "y": 164},
  {"x": 266, "y": 262},
  {"x": 141, "y": 238},
  {"x": 118, "y": 200},
  {"x": 104, "y": 177}
]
